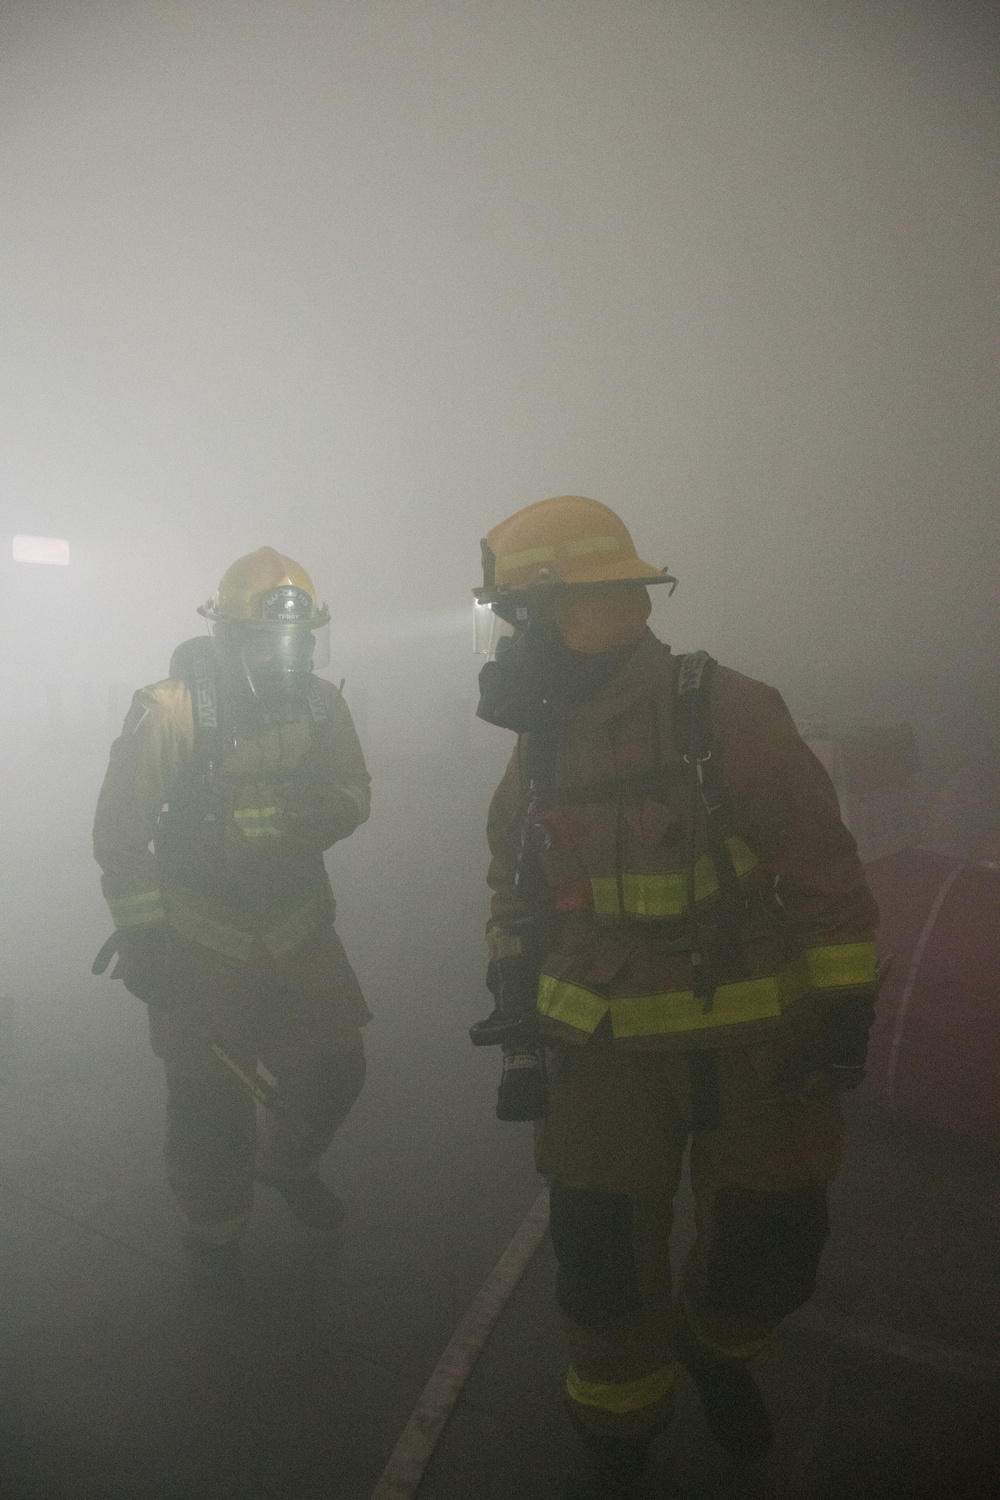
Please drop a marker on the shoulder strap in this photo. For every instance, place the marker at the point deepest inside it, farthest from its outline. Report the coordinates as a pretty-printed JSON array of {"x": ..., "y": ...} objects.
[
  {"x": 693, "y": 731},
  {"x": 692, "y": 700},
  {"x": 320, "y": 717},
  {"x": 193, "y": 663}
]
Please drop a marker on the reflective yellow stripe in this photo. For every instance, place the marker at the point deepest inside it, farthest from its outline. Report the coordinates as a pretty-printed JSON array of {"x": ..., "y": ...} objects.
[
  {"x": 681, "y": 1010},
  {"x": 621, "y": 1396},
  {"x": 509, "y": 562},
  {"x": 743, "y": 858},
  {"x": 738, "y": 1353},
  {"x": 840, "y": 964},
  {"x": 732, "y": 1005},
  {"x": 257, "y": 822},
  {"x": 136, "y": 910},
  {"x": 200, "y": 928},
  {"x": 585, "y": 546},
  {"x": 236, "y": 942},
  {"x": 672, "y": 1011},
  {"x": 570, "y": 1004},
  {"x": 666, "y": 895}
]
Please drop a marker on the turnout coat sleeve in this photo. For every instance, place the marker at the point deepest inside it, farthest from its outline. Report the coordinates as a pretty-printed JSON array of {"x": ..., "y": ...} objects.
[
  {"x": 331, "y": 793},
  {"x": 503, "y": 832},
  {"x": 156, "y": 739},
  {"x": 785, "y": 807}
]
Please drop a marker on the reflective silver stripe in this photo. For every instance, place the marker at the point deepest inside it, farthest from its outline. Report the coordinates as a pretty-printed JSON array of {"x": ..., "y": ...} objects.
[{"x": 585, "y": 546}]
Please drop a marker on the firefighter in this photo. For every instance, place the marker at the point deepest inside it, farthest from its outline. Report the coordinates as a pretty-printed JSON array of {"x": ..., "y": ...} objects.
[
  {"x": 682, "y": 930},
  {"x": 239, "y": 770}
]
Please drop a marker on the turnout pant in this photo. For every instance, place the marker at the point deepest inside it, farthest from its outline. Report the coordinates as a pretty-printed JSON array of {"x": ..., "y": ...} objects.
[
  {"x": 613, "y": 1148},
  {"x": 300, "y": 1017}
]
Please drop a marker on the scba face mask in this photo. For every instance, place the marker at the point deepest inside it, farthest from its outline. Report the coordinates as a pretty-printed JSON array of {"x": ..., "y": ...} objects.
[
  {"x": 535, "y": 675},
  {"x": 523, "y": 678},
  {"x": 279, "y": 650}
]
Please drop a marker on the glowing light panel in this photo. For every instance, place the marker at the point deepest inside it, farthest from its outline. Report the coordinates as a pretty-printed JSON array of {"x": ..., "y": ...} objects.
[{"x": 41, "y": 549}]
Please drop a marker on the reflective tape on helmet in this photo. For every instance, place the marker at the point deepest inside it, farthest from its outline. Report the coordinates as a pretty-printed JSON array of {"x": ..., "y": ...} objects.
[
  {"x": 585, "y": 546},
  {"x": 621, "y": 1396},
  {"x": 136, "y": 910},
  {"x": 666, "y": 895}
]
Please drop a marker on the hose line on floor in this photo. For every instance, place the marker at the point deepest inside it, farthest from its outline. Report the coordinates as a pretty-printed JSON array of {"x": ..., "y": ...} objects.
[{"x": 404, "y": 1471}]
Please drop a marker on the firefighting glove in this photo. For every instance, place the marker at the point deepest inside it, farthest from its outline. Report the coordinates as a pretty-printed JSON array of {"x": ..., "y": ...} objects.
[
  {"x": 143, "y": 962},
  {"x": 834, "y": 1060}
]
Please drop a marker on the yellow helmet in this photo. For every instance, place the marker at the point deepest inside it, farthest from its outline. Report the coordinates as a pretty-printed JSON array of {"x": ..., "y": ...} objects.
[
  {"x": 266, "y": 588},
  {"x": 567, "y": 541}
]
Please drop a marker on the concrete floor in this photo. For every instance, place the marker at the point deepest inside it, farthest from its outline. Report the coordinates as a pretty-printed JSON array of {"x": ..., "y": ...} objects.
[
  {"x": 886, "y": 1385},
  {"x": 113, "y": 1385}
]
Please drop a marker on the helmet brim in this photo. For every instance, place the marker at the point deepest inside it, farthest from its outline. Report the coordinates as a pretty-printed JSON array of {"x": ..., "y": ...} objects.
[
  {"x": 211, "y": 611},
  {"x": 614, "y": 575}
]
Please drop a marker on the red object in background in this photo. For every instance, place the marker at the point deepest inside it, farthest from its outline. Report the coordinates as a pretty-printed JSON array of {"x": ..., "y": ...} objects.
[{"x": 935, "y": 1047}]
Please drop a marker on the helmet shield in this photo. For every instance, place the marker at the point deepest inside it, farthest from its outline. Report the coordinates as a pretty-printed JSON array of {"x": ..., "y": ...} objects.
[
  {"x": 285, "y": 649},
  {"x": 488, "y": 628},
  {"x": 275, "y": 656}
]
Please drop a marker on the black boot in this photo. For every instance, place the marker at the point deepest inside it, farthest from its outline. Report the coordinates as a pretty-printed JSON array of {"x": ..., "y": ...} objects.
[
  {"x": 607, "y": 1468},
  {"x": 311, "y": 1201},
  {"x": 216, "y": 1272},
  {"x": 733, "y": 1406}
]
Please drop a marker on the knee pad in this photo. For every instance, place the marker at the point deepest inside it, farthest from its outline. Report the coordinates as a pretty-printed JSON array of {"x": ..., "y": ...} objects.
[
  {"x": 592, "y": 1237},
  {"x": 210, "y": 1128},
  {"x": 764, "y": 1250}
]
